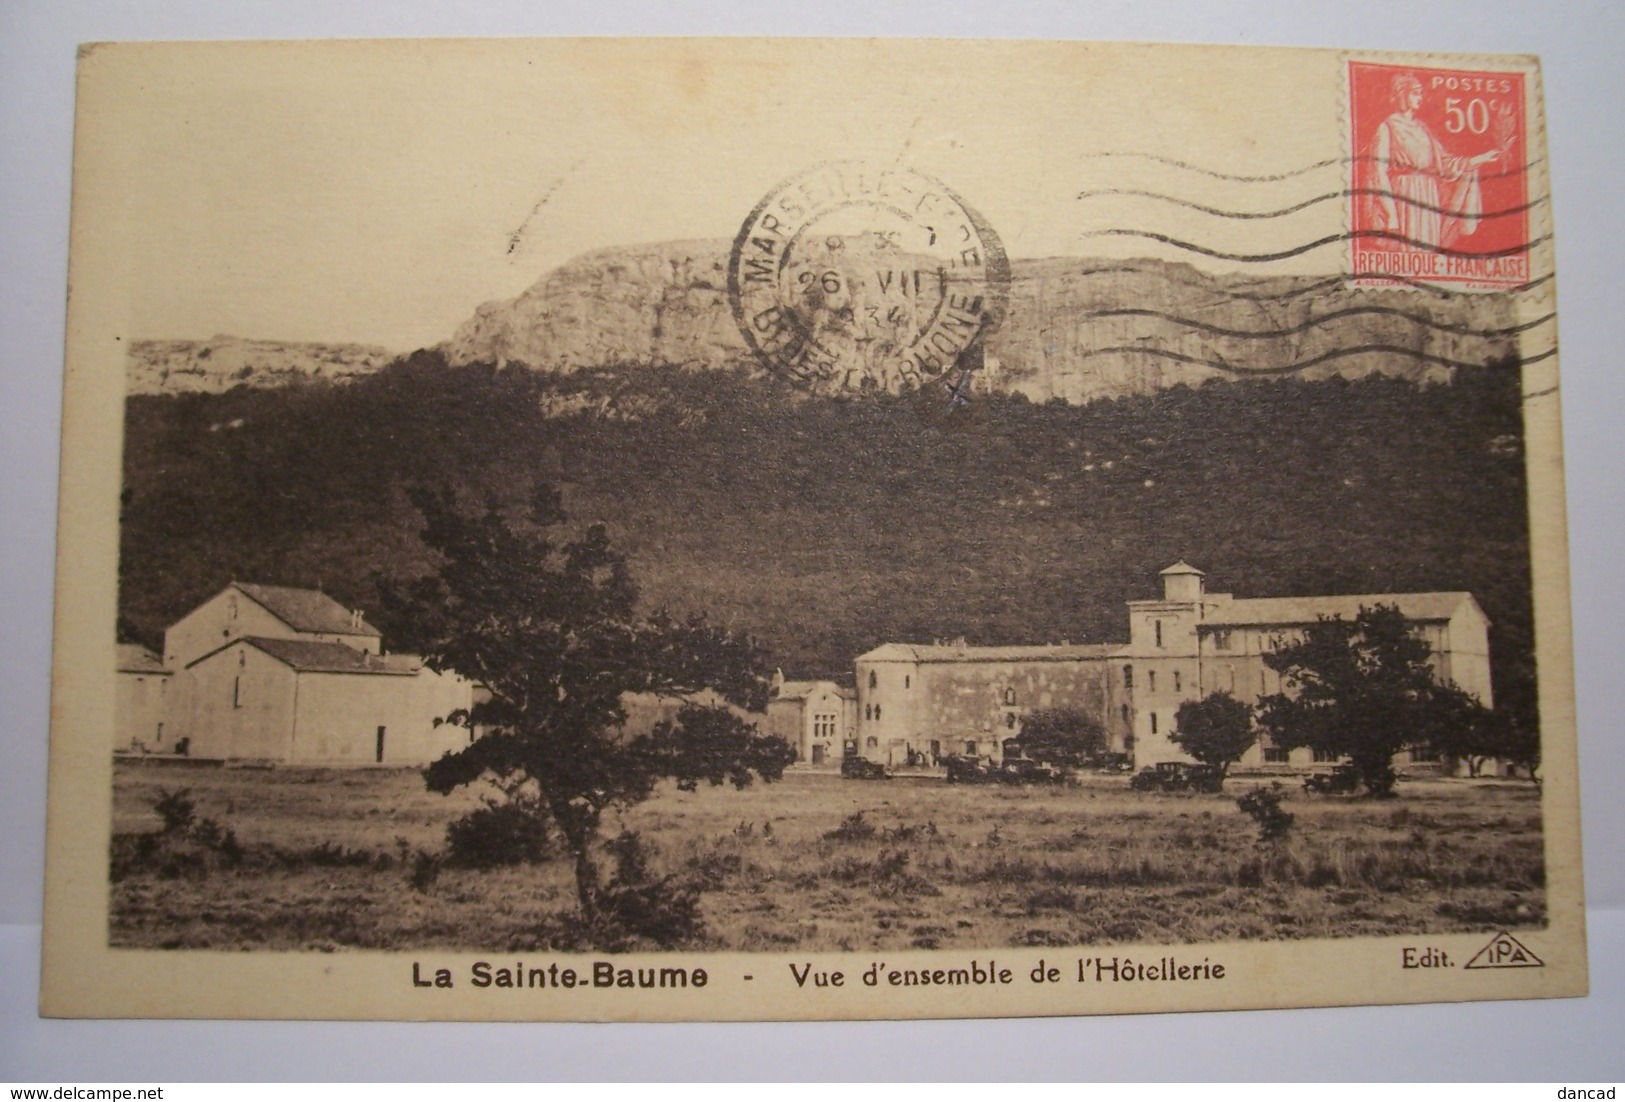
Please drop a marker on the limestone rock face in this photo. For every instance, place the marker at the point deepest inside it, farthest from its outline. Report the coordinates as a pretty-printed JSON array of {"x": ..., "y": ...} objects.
[
  {"x": 658, "y": 304},
  {"x": 1076, "y": 329},
  {"x": 220, "y": 363},
  {"x": 1080, "y": 330}
]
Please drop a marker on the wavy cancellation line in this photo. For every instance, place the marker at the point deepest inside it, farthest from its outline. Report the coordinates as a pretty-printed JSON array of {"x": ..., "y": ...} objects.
[
  {"x": 1315, "y": 323},
  {"x": 1301, "y": 365},
  {"x": 1320, "y": 243},
  {"x": 1291, "y": 174},
  {"x": 1316, "y": 287},
  {"x": 1346, "y": 193}
]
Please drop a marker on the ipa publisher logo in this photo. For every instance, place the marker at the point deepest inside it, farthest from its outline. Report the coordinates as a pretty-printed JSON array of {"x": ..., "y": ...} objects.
[{"x": 1505, "y": 951}]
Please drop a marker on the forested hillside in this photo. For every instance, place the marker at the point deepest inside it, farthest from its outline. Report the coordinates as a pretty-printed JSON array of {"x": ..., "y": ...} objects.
[{"x": 825, "y": 526}]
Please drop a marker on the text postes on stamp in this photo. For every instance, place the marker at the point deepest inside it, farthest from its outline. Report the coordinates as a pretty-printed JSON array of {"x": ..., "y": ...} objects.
[
  {"x": 1439, "y": 176},
  {"x": 849, "y": 276}
]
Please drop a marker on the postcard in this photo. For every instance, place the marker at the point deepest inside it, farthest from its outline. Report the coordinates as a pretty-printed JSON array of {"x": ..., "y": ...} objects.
[{"x": 808, "y": 529}]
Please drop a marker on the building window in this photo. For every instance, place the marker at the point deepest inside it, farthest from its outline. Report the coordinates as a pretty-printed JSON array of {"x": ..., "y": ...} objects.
[
  {"x": 905, "y": 681},
  {"x": 1424, "y": 753},
  {"x": 872, "y": 681},
  {"x": 1125, "y": 713},
  {"x": 1010, "y": 720},
  {"x": 237, "y": 692},
  {"x": 868, "y": 711},
  {"x": 873, "y": 742},
  {"x": 1153, "y": 723},
  {"x": 1128, "y": 677},
  {"x": 1009, "y": 696},
  {"x": 1277, "y": 755},
  {"x": 1324, "y": 756},
  {"x": 1157, "y": 624},
  {"x": 1221, "y": 640},
  {"x": 877, "y": 713},
  {"x": 1176, "y": 681},
  {"x": 970, "y": 746},
  {"x": 1151, "y": 681}
]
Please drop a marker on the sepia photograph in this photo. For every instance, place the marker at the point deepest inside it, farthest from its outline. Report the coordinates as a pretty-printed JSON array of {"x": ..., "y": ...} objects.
[{"x": 745, "y": 529}]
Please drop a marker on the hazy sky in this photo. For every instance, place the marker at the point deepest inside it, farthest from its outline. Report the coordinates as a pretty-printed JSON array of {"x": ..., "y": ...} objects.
[{"x": 379, "y": 193}]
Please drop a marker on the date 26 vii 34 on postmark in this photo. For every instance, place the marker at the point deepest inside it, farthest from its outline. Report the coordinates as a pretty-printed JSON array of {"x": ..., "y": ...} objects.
[
  {"x": 847, "y": 276},
  {"x": 1439, "y": 177}
]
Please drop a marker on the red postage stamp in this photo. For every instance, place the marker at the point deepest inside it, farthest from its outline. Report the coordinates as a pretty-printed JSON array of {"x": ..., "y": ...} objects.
[{"x": 1439, "y": 179}]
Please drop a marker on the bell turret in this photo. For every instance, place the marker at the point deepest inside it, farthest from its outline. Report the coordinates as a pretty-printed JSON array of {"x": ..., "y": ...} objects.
[{"x": 1182, "y": 582}]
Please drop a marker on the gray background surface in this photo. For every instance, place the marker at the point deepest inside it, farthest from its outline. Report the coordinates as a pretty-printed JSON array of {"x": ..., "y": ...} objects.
[{"x": 1565, "y": 1040}]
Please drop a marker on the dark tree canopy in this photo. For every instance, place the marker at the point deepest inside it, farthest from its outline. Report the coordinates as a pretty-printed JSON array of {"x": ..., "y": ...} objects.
[
  {"x": 553, "y": 632},
  {"x": 1365, "y": 689},
  {"x": 1215, "y": 730},
  {"x": 1414, "y": 488},
  {"x": 1503, "y": 734},
  {"x": 1062, "y": 736}
]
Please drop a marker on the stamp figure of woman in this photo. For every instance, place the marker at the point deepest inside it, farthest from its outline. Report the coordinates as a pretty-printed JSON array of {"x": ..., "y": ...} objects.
[{"x": 1425, "y": 195}]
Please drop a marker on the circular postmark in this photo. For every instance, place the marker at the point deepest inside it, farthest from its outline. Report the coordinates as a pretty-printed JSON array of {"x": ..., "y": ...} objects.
[{"x": 851, "y": 277}]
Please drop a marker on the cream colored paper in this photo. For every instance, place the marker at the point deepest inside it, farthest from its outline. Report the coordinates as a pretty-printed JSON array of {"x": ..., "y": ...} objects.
[{"x": 379, "y": 193}]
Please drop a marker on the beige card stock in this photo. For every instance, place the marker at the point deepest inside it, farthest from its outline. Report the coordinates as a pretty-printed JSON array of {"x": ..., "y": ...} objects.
[{"x": 738, "y": 529}]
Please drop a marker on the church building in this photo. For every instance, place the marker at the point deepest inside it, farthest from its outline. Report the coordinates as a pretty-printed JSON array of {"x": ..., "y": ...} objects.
[{"x": 273, "y": 673}]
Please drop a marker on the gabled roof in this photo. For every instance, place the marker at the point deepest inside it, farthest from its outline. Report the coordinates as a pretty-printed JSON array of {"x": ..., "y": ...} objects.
[
  {"x": 1265, "y": 611},
  {"x": 937, "y": 652},
  {"x": 1182, "y": 567},
  {"x": 306, "y": 609},
  {"x": 800, "y": 690},
  {"x": 309, "y": 656},
  {"x": 134, "y": 658}
]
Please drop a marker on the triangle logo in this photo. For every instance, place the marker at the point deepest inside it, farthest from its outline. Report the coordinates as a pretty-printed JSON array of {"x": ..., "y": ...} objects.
[{"x": 1505, "y": 951}]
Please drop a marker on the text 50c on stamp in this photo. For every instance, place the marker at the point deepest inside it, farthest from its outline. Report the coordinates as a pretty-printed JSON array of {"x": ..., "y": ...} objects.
[{"x": 1439, "y": 176}]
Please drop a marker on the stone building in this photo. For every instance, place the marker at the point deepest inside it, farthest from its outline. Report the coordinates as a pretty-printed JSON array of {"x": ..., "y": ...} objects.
[
  {"x": 140, "y": 707},
  {"x": 1192, "y": 643},
  {"x": 917, "y": 704},
  {"x": 273, "y": 673},
  {"x": 816, "y": 718},
  {"x": 917, "y": 701}
]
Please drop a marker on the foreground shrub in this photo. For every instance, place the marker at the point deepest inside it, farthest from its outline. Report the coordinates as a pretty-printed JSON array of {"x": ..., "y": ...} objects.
[
  {"x": 853, "y": 828},
  {"x": 512, "y": 833},
  {"x": 665, "y": 911},
  {"x": 185, "y": 846},
  {"x": 1264, "y": 806}
]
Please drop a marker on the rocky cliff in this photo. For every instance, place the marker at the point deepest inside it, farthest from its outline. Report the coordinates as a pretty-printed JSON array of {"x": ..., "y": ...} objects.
[
  {"x": 1075, "y": 329},
  {"x": 220, "y": 363}
]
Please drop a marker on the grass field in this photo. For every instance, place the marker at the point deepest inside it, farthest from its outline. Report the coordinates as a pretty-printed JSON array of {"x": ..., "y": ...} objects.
[{"x": 330, "y": 857}]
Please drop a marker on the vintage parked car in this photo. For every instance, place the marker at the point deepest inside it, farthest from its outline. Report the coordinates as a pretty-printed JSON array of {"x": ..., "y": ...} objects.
[
  {"x": 1027, "y": 771},
  {"x": 862, "y": 769},
  {"x": 969, "y": 769},
  {"x": 1111, "y": 763},
  {"x": 1342, "y": 778},
  {"x": 1177, "y": 776}
]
